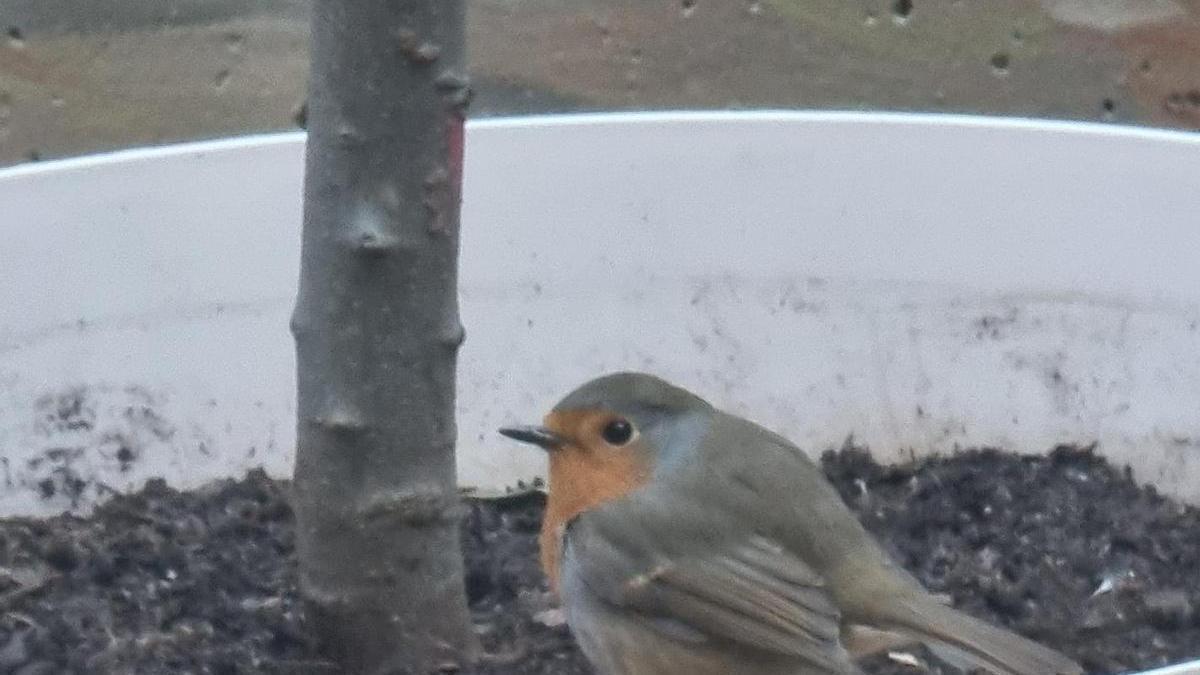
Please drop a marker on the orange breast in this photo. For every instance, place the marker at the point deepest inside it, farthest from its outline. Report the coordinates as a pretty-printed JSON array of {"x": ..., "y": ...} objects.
[{"x": 583, "y": 477}]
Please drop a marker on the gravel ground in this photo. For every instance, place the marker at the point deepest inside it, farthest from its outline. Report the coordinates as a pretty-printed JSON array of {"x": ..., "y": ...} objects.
[{"x": 1065, "y": 548}]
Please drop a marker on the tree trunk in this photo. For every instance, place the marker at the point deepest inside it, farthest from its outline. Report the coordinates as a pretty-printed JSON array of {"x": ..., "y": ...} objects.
[{"x": 377, "y": 334}]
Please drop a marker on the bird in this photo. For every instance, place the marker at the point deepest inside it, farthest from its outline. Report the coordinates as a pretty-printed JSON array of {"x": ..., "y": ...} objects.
[{"x": 681, "y": 539}]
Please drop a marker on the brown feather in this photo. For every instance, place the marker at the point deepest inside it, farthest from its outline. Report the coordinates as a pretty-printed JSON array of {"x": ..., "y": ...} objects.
[{"x": 994, "y": 649}]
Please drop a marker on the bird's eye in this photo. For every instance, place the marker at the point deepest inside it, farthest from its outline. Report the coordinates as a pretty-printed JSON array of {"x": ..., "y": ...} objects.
[{"x": 617, "y": 432}]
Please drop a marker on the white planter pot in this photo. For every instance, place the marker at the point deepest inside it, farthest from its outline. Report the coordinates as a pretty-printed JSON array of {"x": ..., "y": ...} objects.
[{"x": 920, "y": 282}]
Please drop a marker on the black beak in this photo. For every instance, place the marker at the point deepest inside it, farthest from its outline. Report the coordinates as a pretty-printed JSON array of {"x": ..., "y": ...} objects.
[{"x": 539, "y": 436}]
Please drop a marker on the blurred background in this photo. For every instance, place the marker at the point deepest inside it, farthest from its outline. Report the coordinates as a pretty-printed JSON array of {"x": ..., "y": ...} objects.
[{"x": 82, "y": 76}]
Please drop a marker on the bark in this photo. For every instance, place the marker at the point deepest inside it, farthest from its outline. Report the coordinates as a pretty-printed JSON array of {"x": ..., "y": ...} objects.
[{"x": 377, "y": 333}]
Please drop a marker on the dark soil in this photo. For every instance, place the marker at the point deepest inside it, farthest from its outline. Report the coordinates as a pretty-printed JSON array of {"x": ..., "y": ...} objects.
[{"x": 1065, "y": 548}]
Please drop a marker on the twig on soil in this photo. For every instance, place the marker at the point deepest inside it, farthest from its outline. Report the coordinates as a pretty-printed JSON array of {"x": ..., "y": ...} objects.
[{"x": 12, "y": 597}]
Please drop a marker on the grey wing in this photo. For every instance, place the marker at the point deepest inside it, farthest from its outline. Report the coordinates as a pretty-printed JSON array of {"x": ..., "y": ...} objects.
[{"x": 737, "y": 588}]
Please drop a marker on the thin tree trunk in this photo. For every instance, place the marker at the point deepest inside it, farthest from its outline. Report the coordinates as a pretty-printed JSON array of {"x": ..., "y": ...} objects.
[{"x": 377, "y": 334}]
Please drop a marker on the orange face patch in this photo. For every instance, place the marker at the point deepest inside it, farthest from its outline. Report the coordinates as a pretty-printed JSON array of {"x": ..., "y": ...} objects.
[{"x": 585, "y": 473}]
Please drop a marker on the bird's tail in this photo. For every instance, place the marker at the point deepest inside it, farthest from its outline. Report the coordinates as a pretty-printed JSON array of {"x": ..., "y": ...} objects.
[{"x": 968, "y": 642}]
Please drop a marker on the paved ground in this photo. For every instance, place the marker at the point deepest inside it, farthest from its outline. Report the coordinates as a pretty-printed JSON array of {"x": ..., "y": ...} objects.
[{"x": 79, "y": 77}]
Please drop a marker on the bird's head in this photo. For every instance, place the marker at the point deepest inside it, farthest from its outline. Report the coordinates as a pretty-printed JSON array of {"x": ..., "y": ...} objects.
[{"x": 606, "y": 439}]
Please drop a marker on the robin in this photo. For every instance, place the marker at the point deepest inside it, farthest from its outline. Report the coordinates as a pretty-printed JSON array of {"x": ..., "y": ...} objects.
[{"x": 683, "y": 539}]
